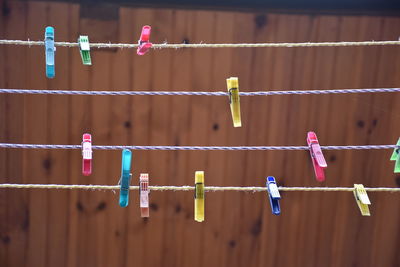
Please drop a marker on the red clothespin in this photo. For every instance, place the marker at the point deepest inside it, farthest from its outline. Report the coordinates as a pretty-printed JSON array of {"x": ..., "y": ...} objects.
[
  {"x": 87, "y": 154},
  {"x": 317, "y": 157},
  {"x": 144, "y": 194},
  {"x": 144, "y": 42}
]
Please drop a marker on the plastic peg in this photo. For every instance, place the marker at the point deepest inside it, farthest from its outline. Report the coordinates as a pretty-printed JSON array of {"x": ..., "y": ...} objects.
[
  {"x": 396, "y": 157},
  {"x": 199, "y": 196},
  {"x": 50, "y": 52},
  {"x": 234, "y": 100},
  {"x": 125, "y": 179},
  {"x": 144, "y": 41},
  {"x": 274, "y": 195},
  {"x": 84, "y": 49},
  {"x": 144, "y": 194},
  {"x": 87, "y": 154},
  {"x": 362, "y": 199},
  {"x": 317, "y": 157}
]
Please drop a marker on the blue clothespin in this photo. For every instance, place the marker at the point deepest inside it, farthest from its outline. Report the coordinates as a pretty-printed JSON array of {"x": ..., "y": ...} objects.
[
  {"x": 125, "y": 179},
  {"x": 274, "y": 195},
  {"x": 50, "y": 52}
]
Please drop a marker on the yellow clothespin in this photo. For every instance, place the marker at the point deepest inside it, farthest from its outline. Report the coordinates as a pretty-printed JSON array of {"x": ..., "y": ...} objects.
[
  {"x": 233, "y": 90},
  {"x": 362, "y": 199},
  {"x": 199, "y": 196}
]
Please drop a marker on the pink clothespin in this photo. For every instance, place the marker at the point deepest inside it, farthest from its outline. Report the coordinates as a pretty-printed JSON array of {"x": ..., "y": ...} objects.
[
  {"x": 87, "y": 154},
  {"x": 317, "y": 157},
  {"x": 144, "y": 194},
  {"x": 144, "y": 42}
]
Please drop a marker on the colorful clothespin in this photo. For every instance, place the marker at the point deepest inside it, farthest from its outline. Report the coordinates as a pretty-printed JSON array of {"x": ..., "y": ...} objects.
[
  {"x": 317, "y": 157},
  {"x": 274, "y": 195},
  {"x": 199, "y": 196},
  {"x": 233, "y": 90},
  {"x": 125, "y": 179},
  {"x": 87, "y": 154},
  {"x": 50, "y": 52},
  {"x": 144, "y": 194},
  {"x": 362, "y": 199},
  {"x": 396, "y": 156},
  {"x": 144, "y": 41},
  {"x": 84, "y": 49}
]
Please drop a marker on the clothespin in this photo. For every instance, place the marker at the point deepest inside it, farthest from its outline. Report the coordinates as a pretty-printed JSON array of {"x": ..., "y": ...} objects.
[
  {"x": 50, "y": 52},
  {"x": 274, "y": 195},
  {"x": 396, "y": 156},
  {"x": 87, "y": 154},
  {"x": 125, "y": 179},
  {"x": 84, "y": 49},
  {"x": 233, "y": 90},
  {"x": 144, "y": 194},
  {"x": 199, "y": 196},
  {"x": 362, "y": 199},
  {"x": 317, "y": 157},
  {"x": 144, "y": 41}
]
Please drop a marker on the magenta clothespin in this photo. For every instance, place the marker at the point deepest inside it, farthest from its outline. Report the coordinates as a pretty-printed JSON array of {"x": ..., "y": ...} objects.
[
  {"x": 317, "y": 157},
  {"x": 144, "y": 42},
  {"x": 144, "y": 194},
  {"x": 87, "y": 154}
]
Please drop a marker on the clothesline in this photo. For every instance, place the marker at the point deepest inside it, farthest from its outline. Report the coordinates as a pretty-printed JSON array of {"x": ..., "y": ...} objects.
[
  {"x": 46, "y": 146},
  {"x": 194, "y": 93},
  {"x": 192, "y": 188},
  {"x": 204, "y": 45}
]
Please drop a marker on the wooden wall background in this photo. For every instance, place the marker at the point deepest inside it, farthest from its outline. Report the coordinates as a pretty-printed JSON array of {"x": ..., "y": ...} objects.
[{"x": 86, "y": 228}]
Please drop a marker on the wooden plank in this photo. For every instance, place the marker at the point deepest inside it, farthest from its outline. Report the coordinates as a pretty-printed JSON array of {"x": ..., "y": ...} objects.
[
  {"x": 219, "y": 121},
  {"x": 179, "y": 205},
  {"x": 13, "y": 203},
  {"x": 78, "y": 119},
  {"x": 198, "y": 127},
  {"x": 116, "y": 236},
  {"x": 58, "y": 125},
  {"x": 383, "y": 129},
  {"x": 140, "y": 78},
  {"x": 36, "y": 162}
]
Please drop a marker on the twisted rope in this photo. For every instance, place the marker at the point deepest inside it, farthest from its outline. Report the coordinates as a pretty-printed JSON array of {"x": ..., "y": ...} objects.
[
  {"x": 188, "y": 93},
  {"x": 40, "y": 146},
  {"x": 191, "y": 188},
  {"x": 202, "y": 45}
]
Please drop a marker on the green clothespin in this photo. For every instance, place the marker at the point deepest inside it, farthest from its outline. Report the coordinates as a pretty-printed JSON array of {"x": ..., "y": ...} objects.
[
  {"x": 396, "y": 156},
  {"x": 84, "y": 49}
]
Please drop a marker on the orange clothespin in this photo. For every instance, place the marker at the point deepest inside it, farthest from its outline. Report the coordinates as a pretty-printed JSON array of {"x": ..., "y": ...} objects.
[
  {"x": 144, "y": 42},
  {"x": 87, "y": 154},
  {"x": 317, "y": 157},
  {"x": 144, "y": 194}
]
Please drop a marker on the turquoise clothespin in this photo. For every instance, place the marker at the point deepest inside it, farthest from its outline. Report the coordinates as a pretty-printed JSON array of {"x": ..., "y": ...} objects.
[
  {"x": 50, "y": 52},
  {"x": 396, "y": 156},
  {"x": 84, "y": 49},
  {"x": 125, "y": 179}
]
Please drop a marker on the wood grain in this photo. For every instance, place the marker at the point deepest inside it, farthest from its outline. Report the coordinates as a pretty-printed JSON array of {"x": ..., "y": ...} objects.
[{"x": 85, "y": 228}]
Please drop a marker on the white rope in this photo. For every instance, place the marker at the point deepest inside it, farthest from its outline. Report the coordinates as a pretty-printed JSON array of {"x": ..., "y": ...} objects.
[
  {"x": 203, "y": 45},
  {"x": 42, "y": 146},
  {"x": 191, "y": 188},
  {"x": 197, "y": 93}
]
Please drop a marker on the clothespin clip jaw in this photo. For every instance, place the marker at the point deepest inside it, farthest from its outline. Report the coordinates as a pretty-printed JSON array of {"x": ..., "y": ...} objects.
[
  {"x": 317, "y": 157},
  {"x": 199, "y": 196},
  {"x": 144, "y": 194},
  {"x": 144, "y": 41},
  {"x": 50, "y": 51},
  {"x": 87, "y": 154},
  {"x": 274, "y": 195},
  {"x": 125, "y": 179},
  {"x": 362, "y": 199},
  {"x": 84, "y": 49},
  {"x": 396, "y": 157},
  {"x": 234, "y": 100}
]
